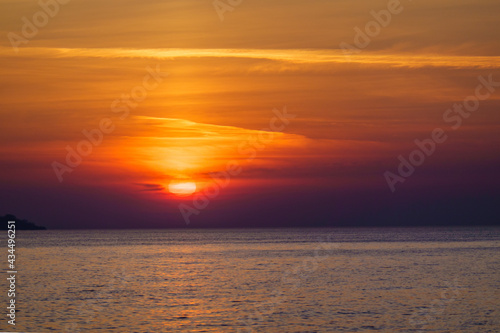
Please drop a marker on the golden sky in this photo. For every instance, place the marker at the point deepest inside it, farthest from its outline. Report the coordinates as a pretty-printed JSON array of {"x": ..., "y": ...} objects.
[{"x": 353, "y": 115}]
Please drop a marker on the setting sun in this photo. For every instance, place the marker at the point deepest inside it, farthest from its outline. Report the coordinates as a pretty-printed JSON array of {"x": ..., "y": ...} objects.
[{"x": 182, "y": 187}]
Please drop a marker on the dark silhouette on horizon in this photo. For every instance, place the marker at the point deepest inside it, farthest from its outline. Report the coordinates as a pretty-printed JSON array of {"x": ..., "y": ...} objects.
[{"x": 20, "y": 224}]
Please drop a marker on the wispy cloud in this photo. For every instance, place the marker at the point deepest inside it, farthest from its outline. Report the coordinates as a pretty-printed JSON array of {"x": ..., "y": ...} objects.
[
  {"x": 300, "y": 56},
  {"x": 151, "y": 187},
  {"x": 175, "y": 147}
]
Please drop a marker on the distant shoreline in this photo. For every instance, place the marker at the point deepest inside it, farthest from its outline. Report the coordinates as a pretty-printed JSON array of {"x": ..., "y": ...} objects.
[{"x": 20, "y": 224}]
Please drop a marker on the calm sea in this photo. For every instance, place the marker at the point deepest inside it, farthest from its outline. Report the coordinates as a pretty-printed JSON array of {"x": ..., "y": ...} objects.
[{"x": 265, "y": 280}]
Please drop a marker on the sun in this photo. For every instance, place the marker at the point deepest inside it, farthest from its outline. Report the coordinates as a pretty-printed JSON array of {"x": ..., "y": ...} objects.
[{"x": 181, "y": 187}]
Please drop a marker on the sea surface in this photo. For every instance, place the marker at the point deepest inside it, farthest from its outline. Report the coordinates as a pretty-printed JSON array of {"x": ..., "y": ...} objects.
[{"x": 257, "y": 280}]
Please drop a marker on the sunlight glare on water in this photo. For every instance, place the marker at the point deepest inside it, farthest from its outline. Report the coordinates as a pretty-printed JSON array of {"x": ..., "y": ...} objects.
[{"x": 279, "y": 280}]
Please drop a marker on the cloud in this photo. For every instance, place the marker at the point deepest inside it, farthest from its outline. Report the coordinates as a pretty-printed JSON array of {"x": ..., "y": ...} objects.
[
  {"x": 297, "y": 56},
  {"x": 164, "y": 148},
  {"x": 151, "y": 187}
]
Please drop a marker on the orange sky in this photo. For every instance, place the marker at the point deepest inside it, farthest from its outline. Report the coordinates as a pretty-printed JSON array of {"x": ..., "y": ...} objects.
[{"x": 353, "y": 116}]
